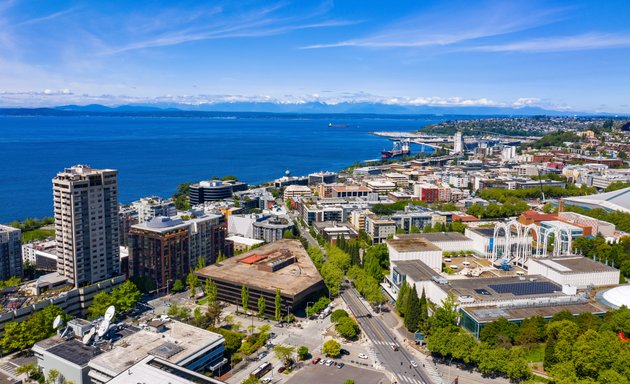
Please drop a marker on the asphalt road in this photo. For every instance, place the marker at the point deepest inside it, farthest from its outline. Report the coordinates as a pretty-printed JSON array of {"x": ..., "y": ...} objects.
[{"x": 397, "y": 362}]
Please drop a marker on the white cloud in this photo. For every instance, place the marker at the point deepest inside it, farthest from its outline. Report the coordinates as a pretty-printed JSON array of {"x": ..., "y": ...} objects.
[{"x": 582, "y": 42}]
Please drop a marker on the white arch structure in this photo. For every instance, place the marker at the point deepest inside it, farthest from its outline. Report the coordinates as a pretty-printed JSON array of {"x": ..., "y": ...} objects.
[{"x": 516, "y": 243}]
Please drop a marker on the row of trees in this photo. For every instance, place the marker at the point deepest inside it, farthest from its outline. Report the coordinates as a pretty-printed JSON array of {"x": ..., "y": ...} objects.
[
  {"x": 508, "y": 195},
  {"x": 414, "y": 310},
  {"x": 21, "y": 336},
  {"x": 512, "y": 207},
  {"x": 620, "y": 219}
]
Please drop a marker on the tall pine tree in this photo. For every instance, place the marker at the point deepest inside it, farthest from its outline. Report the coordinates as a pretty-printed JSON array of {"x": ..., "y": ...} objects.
[
  {"x": 401, "y": 300},
  {"x": 412, "y": 311}
]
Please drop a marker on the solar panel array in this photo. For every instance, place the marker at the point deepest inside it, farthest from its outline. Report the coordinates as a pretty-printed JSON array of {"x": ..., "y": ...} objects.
[{"x": 526, "y": 288}]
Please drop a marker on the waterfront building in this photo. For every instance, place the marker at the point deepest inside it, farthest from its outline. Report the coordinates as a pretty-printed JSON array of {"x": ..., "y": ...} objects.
[
  {"x": 86, "y": 224},
  {"x": 10, "y": 252},
  {"x": 322, "y": 178},
  {"x": 167, "y": 248},
  {"x": 213, "y": 190}
]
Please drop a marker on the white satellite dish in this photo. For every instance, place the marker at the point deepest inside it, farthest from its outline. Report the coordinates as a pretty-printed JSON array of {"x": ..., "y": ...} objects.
[
  {"x": 87, "y": 337},
  {"x": 103, "y": 327},
  {"x": 57, "y": 322},
  {"x": 109, "y": 314}
]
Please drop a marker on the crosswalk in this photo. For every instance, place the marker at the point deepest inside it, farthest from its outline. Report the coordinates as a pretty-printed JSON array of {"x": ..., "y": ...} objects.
[
  {"x": 379, "y": 342},
  {"x": 10, "y": 368},
  {"x": 409, "y": 379}
]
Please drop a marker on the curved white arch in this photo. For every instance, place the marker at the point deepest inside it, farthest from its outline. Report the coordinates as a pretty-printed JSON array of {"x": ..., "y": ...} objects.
[
  {"x": 506, "y": 246},
  {"x": 528, "y": 250}
]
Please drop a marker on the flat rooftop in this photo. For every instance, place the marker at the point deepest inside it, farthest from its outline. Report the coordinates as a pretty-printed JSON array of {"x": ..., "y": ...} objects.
[
  {"x": 486, "y": 232},
  {"x": 574, "y": 264},
  {"x": 414, "y": 269},
  {"x": 506, "y": 288},
  {"x": 435, "y": 236},
  {"x": 157, "y": 371},
  {"x": 490, "y": 313},
  {"x": 179, "y": 341},
  {"x": 412, "y": 245},
  {"x": 291, "y": 280},
  {"x": 72, "y": 350}
]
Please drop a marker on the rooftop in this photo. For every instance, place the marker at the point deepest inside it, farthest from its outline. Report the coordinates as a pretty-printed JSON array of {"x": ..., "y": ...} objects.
[
  {"x": 416, "y": 270},
  {"x": 291, "y": 279},
  {"x": 412, "y": 245},
  {"x": 488, "y": 314},
  {"x": 177, "y": 342},
  {"x": 577, "y": 264},
  {"x": 435, "y": 236},
  {"x": 506, "y": 288},
  {"x": 244, "y": 240},
  {"x": 71, "y": 350},
  {"x": 157, "y": 371}
]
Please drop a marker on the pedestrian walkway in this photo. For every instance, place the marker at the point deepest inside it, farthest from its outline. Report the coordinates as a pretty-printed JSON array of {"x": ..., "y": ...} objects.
[{"x": 9, "y": 368}]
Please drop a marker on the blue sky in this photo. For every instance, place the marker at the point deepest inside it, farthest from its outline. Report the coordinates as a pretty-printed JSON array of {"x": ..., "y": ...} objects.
[{"x": 568, "y": 55}]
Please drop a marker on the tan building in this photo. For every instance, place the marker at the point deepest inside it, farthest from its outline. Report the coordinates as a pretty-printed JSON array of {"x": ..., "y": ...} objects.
[
  {"x": 297, "y": 190},
  {"x": 86, "y": 223}
]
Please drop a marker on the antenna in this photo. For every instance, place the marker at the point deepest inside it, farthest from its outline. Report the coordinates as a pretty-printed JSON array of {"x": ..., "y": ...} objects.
[
  {"x": 109, "y": 314},
  {"x": 57, "y": 322}
]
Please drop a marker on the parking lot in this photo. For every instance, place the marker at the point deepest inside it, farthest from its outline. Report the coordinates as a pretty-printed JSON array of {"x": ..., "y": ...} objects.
[{"x": 322, "y": 374}]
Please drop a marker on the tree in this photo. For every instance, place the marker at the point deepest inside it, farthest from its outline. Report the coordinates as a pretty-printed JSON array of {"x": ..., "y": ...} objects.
[
  {"x": 278, "y": 305},
  {"x": 100, "y": 303},
  {"x": 531, "y": 331},
  {"x": 348, "y": 381},
  {"x": 413, "y": 313},
  {"x": 347, "y": 328},
  {"x": 331, "y": 348},
  {"x": 499, "y": 332},
  {"x": 337, "y": 315},
  {"x": 288, "y": 234},
  {"x": 244, "y": 297},
  {"x": 126, "y": 296},
  {"x": 261, "y": 306},
  {"x": 178, "y": 286},
  {"x": 251, "y": 380},
  {"x": 19, "y": 336},
  {"x": 445, "y": 316},
  {"x": 302, "y": 352},
  {"x": 193, "y": 282},
  {"x": 333, "y": 276},
  {"x": 403, "y": 295},
  {"x": 284, "y": 353}
]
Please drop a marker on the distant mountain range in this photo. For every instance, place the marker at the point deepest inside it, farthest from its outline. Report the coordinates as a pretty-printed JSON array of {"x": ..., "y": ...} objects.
[{"x": 246, "y": 109}]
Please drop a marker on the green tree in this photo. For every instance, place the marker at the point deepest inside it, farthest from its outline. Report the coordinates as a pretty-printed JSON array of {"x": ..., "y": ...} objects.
[
  {"x": 288, "y": 234},
  {"x": 261, "y": 306},
  {"x": 499, "y": 332},
  {"x": 178, "y": 286},
  {"x": 531, "y": 331},
  {"x": 193, "y": 282},
  {"x": 100, "y": 303},
  {"x": 126, "y": 296},
  {"x": 251, "y": 380},
  {"x": 19, "y": 336},
  {"x": 278, "y": 305},
  {"x": 284, "y": 353},
  {"x": 302, "y": 352},
  {"x": 347, "y": 328},
  {"x": 331, "y": 348},
  {"x": 244, "y": 298},
  {"x": 333, "y": 277},
  {"x": 348, "y": 381},
  {"x": 445, "y": 316},
  {"x": 413, "y": 312},
  {"x": 337, "y": 315},
  {"x": 403, "y": 295}
]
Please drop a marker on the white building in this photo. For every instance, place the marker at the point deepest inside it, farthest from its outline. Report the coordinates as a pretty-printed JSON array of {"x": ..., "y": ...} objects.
[
  {"x": 508, "y": 153},
  {"x": 41, "y": 254},
  {"x": 381, "y": 186},
  {"x": 446, "y": 241},
  {"x": 576, "y": 271},
  {"x": 458, "y": 142},
  {"x": 415, "y": 249},
  {"x": 379, "y": 229},
  {"x": 86, "y": 223},
  {"x": 150, "y": 207}
]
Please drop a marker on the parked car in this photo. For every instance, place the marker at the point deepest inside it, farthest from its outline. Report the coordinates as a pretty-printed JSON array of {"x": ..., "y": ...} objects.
[
  {"x": 322, "y": 362},
  {"x": 266, "y": 380},
  {"x": 262, "y": 355},
  {"x": 413, "y": 364},
  {"x": 281, "y": 369},
  {"x": 272, "y": 335},
  {"x": 340, "y": 365},
  {"x": 362, "y": 356},
  {"x": 316, "y": 360},
  {"x": 329, "y": 363},
  {"x": 344, "y": 352}
]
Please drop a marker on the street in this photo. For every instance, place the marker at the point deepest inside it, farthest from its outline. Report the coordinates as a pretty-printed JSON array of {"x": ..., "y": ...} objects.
[{"x": 395, "y": 361}]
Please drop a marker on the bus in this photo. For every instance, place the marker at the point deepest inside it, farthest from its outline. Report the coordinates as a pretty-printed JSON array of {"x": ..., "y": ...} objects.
[{"x": 262, "y": 370}]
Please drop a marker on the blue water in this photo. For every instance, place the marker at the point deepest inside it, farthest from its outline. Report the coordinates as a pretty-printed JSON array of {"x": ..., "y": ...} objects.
[{"x": 153, "y": 155}]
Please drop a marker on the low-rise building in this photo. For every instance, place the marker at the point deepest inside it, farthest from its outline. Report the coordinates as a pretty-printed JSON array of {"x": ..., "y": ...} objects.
[
  {"x": 576, "y": 271},
  {"x": 293, "y": 191},
  {"x": 378, "y": 228},
  {"x": 42, "y": 254},
  {"x": 213, "y": 190},
  {"x": 271, "y": 229},
  {"x": 322, "y": 178},
  {"x": 381, "y": 186},
  {"x": 415, "y": 249},
  {"x": 446, "y": 241}
]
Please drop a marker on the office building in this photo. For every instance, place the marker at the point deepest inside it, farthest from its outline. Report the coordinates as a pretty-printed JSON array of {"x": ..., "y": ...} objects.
[
  {"x": 150, "y": 207},
  {"x": 322, "y": 178},
  {"x": 10, "y": 252},
  {"x": 272, "y": 229},
  {"x": 458, "y": 142},
  {"x": 41, "y": 254},
  {"x": 213, "y": 190},
  {"x": 379, "y": 228},
  {"x": 283, "y": 265},
  {"x": 167, "y": 248},
  {"x": 86, "y": 223}
]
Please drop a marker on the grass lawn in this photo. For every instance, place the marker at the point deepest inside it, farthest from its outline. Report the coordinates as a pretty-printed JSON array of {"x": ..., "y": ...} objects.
[
  {"x": 37, "y": 234},
  {"x": 535, "y": 353}
]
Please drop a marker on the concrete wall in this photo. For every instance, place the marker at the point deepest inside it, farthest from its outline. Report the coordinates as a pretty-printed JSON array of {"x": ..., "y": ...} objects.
[{"x": 431, "y": 258}]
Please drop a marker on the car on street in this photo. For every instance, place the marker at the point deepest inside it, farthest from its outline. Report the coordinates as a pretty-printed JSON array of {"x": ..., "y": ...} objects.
[
  {"x": 329, "y": 363},
  {"x": 344, "y": 352},
  {"x": 281, "y": 369},
  {"x": 266, "y": 380},
  {"x": 340, "y": 365},
  {"x": 413, "y": 364},
  {"x": 362, "y": 356},
  {"x": 322, "y": 362},
  {"x": 262, "y": 355},
  {"x": 316, "y": 360},
  {"x": 272, "y": 335},
  {"x": 394, "y": 348}
]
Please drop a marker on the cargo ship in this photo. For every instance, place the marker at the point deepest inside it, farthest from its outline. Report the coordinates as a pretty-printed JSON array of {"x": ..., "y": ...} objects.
[{"x": 401, "y": 148}]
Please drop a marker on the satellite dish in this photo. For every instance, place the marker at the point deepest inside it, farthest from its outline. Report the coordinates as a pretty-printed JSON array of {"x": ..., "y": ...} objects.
[
  {"x": 103, "y": 327},
  {"x": 87, "y": 337},
  {"x": 57, "y": 322},
  {"x": 109, "y": 314}
]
